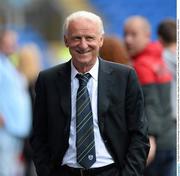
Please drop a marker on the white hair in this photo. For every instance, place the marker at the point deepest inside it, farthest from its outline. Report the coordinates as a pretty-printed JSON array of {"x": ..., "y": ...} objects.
[{"x": 85, "y": 15}]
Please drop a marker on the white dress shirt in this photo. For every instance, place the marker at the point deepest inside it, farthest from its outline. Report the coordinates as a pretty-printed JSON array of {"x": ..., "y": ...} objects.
[{"x": 103, "y": 157}]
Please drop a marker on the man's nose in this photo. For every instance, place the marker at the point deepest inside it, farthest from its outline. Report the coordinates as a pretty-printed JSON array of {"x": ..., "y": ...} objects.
[
  {"x": 83, "y": 43},
  {"x": 128, "y": 39}
]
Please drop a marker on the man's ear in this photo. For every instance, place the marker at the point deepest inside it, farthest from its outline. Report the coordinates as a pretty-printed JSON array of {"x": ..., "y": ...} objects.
[
  {"x": 101, "y": 40},
  {"x": 66, "y": 41}
]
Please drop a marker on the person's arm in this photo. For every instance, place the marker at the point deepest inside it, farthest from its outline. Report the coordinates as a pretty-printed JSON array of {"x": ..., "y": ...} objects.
[
  {"x": 152, "y": 151},
  {"x": 135, "y": 161},
  {"x": 39, "y": 137},
  {"x": 152, "y": 108},
  {"x": 151, "y": 97}
]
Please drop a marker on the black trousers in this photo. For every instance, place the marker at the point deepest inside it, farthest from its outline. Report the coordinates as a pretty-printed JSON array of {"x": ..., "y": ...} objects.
[{"x": 110, "y": 170}]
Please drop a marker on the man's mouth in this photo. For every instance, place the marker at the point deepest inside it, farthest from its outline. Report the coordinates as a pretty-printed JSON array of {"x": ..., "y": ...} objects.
[{"x": 82, "y": 51}]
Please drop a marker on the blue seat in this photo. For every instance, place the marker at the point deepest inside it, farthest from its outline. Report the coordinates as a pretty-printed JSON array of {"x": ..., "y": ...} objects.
[{"x": 115, "y": 12}]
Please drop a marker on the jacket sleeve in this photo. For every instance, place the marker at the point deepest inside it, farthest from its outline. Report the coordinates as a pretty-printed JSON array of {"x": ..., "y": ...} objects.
[
  {"x": 152, "y": 109},
  {"x": 39, "y": 137},
  {"x": 135, "y": 160},
  {"x": 148, "y": 80}
]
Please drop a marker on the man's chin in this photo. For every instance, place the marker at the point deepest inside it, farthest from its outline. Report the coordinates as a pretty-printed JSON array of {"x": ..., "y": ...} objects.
[
  {"x": 85, "y": 61},
  {"x": 84, "y": 57}
]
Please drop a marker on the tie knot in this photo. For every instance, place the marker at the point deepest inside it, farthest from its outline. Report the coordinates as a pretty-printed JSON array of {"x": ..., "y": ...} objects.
[{"x": 83, "y": 78}]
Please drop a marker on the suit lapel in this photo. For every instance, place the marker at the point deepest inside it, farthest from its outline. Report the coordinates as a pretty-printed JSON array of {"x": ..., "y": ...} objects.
[
  {"x": 64, "y": 88},
  {"x": 104, "y": 82}
]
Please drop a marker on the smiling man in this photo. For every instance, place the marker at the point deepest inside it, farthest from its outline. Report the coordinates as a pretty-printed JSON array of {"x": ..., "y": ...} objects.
[
  {"x": 89, "y": 113},
  {"x": 83, "y": 41}
]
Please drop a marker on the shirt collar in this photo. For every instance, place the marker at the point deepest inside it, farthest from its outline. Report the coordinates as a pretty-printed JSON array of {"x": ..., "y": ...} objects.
[{"x": 93, "y": 71}]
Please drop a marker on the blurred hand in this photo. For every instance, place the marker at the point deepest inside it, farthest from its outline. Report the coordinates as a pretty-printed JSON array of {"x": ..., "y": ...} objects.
[{"x": 152, "y": 151}]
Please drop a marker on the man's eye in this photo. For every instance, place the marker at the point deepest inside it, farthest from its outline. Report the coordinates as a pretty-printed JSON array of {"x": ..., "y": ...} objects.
[
  {"x": 89, "y": 38},
  {"x": 77, "y": 38}
]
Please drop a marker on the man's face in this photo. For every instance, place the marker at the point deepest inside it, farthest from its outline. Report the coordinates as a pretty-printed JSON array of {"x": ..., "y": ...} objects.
[
  {"x": 9, "y": 42},
  {"x": 135, "y": 37},
  {"x": 84, "y": 40}
]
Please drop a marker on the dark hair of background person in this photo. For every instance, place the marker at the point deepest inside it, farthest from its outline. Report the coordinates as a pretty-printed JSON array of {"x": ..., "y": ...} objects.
[
  {"x": 113, "y": 50},
  {"x": 167, "y": 31}
]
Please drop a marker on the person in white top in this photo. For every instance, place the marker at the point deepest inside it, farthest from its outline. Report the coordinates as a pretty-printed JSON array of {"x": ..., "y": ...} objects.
[{"x": 167, "y": 36}]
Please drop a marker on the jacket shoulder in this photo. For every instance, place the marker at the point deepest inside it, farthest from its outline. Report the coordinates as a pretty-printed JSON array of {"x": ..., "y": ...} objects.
[
  {"x": 117, "y": 66},
  {"x": 55, "y": 69}
]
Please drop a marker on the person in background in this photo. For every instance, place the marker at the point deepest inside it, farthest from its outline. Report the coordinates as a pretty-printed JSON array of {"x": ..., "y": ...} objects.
[
  {"x": 155, "y": 79},
  {"x": 15, "y": 108},
  {"x": 29, "y": 65},
  {"x": 167, "y": 36},
  {"x": 113, "y": 50},
  {"x": 89, "y": 113}
]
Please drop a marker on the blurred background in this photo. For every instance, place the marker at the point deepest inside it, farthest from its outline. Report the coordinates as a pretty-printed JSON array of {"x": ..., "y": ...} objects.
[{"x": 38, "y": 24}]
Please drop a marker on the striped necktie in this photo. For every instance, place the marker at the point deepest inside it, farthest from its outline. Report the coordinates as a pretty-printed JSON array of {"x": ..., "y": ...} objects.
[{"x": 84, "y": 124}]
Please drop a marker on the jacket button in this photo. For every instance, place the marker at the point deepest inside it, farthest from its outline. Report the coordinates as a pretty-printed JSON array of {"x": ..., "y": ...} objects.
[{"x": 105, "y": 140}]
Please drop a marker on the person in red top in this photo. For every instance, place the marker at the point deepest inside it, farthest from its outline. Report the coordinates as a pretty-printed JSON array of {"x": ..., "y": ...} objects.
[
  {"x": 150, "y": 66},
  {"x": 155, "y": 78}
]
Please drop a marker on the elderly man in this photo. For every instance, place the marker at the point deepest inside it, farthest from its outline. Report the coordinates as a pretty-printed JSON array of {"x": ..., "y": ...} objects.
[{"x": 89, "y": 115}]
